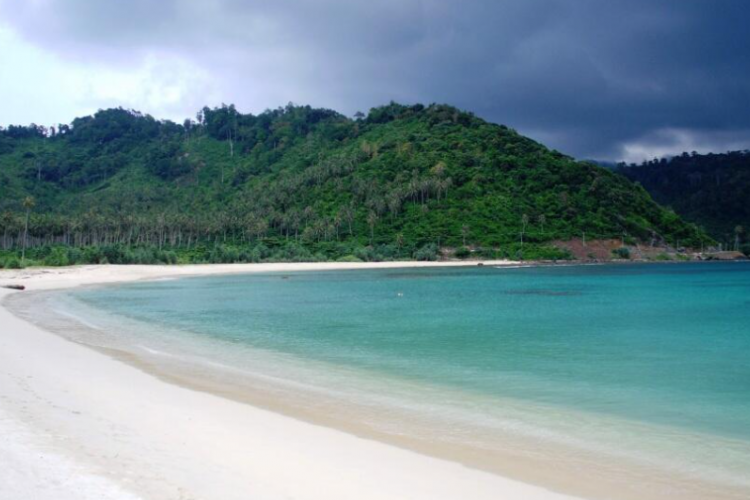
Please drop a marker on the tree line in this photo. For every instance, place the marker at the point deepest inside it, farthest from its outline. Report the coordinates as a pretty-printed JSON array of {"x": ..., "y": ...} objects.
[{"x": 400, "y": 179}]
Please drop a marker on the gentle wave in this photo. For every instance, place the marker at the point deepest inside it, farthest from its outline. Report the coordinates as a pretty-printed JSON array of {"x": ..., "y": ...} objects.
[{"x": 317, "y": 343}]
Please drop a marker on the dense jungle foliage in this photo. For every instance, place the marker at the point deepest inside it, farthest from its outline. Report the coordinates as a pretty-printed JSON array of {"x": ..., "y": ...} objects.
[
  {"x": 298, "y": 183},
  {"x": 710, "y": 190}
]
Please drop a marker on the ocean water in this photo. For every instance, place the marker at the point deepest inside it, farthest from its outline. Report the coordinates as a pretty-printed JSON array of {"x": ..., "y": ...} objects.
[{"x": 644, "y": 368}]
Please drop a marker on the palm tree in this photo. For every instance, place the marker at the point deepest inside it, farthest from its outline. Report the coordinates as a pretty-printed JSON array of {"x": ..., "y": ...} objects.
[
  {"x": 399, "y": 241},
  {"x": 6, "y": 220},
  {"x": 336, "y": 224},
  {"x": 542, "y": 221},
  {"x": 372, "y": 219},
  {"x": 28, "y": 204},
  {"x": 464, "y": 232},
  {"x": 347, "y": 214},
  {"x": 524, "y": 223},
  {"x": 737, "y": 236}
]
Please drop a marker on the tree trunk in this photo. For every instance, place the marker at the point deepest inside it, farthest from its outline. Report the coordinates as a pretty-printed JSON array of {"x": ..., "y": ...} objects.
[{"x": 25, "y": 236}]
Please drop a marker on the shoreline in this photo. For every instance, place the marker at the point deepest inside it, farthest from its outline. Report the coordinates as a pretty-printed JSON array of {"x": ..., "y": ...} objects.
[
  {"x": 110, "y": 430},
  {"x": 523, "y": 474},
  {"x": 52, "y": 278}
]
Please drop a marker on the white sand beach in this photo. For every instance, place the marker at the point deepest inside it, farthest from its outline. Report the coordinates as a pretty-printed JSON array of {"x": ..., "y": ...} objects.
[
  {"x": 77, "y": 424},
  {"x": 67, "y": 277}
]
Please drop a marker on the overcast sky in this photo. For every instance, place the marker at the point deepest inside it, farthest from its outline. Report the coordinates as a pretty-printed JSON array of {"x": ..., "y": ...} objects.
[{"x": 603, "y": 79}]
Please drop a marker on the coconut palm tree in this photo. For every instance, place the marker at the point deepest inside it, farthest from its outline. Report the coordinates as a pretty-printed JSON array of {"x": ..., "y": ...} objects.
[
  {"x": 28, "y": 204},
  {"x": 524, "y": 223},
  {"x": 399, "y": 241},
  {"x": 738, "y": 231},
  {"x": 372, "y": 219}
]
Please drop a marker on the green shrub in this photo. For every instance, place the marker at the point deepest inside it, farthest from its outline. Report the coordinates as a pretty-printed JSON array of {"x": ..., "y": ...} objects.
[
  {"x": 463, "y": 253},
  {"x": 169, "y": 257},
  {"x": 57, "y": 257},
  {"x": 92, "y": 255},
  {"x": 261, "y": 252},
  {"x": 224, "y": 255},
  {"x": 428, "y": 252},
  {"x": 547, "y": 253},
  {"x": 253, "y": 255},
  {"x": 621, "y": 253},
  {"x": 348, "y": 258},
  {"x": 367, "y": 254},
  {"x": 13, "y": 263},
  {"x": 533, "y": 252},
  {"x": 386, "y": 252},
  {"x": 75, "y": 256},
  {"x": 293, "y": 252},
  {"x": 142, "y": 256}
]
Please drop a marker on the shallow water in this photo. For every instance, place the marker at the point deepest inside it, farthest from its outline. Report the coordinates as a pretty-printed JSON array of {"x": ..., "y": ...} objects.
[{"x": 647, "y": 365}]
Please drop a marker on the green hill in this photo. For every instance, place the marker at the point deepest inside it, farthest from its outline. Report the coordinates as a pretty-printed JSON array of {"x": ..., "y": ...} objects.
[
  {"x": 711, "y": 190},
  {"x": 298, "y": 183}
]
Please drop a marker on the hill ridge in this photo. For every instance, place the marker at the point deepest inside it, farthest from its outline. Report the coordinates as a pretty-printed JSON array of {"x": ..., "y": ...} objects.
[{"x": 301, "y": 183}]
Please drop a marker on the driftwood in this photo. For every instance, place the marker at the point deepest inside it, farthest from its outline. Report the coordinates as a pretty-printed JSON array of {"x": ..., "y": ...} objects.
[{"x": 14, "y": 287}]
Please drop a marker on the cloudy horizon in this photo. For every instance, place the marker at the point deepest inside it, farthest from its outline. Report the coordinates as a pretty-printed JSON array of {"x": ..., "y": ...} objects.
[{"x": 620, "y": 80}]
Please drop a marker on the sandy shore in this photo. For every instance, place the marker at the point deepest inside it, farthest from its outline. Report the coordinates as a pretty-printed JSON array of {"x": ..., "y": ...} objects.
[
  {"x": 76, "y": 424},
  {"x": 49, "y": 278}
]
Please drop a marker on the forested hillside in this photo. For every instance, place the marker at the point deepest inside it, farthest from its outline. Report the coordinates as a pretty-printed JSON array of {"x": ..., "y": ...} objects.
[
  {"x": 711, "y": 190},
  {"x": 298, "y": 183}
]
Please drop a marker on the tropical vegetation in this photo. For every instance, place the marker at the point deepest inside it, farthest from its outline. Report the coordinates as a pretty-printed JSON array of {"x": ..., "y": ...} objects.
[
  {"x": 711, "y": 190},
  {"x": 299, "y": 183}
]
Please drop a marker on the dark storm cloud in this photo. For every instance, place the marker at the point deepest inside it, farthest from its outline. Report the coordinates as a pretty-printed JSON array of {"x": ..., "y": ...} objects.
[{"x": 589, "y": 77}]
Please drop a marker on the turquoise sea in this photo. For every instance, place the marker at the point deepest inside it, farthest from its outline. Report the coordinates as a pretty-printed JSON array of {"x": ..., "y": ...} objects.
[{"x": 644, "y": 368}]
